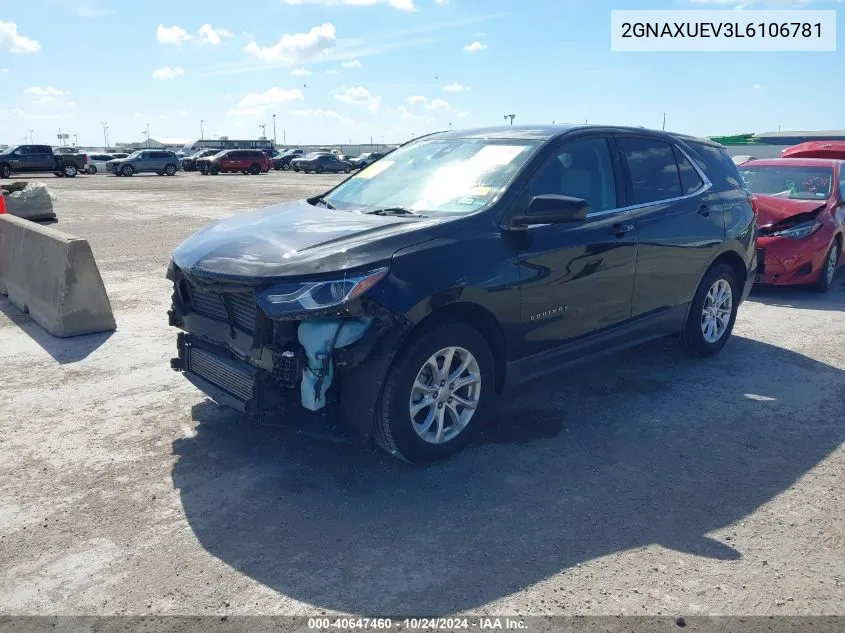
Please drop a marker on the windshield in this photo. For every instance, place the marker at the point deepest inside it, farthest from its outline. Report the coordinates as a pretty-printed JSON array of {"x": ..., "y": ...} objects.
[
  {"x": 135, "y": 154},
  {"x": 8, "y": 150},
  {"x": 797, "y": 183},
  {"x": 439, "y": 175}
]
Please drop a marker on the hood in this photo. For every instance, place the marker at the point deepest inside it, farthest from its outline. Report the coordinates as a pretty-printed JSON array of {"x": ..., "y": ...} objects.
[
  {"x": 299, "y": 239},
  {"x": 774, "y": 209}
]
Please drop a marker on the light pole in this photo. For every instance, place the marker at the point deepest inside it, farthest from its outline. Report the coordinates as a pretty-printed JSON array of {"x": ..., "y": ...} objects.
[
  {"x": 202, "y": 133},
  {"x": 664, "y": 120},
  {"x": 263, "y": 130},
  {"x": 147, "y": 134},
  {"x": 31, "y": 142},
  {"x": 105, "y": 134},
  {"x": 511, "y": 117},
  {"x": 274, "y": 130},
  {"x": 75, "y": 140}
]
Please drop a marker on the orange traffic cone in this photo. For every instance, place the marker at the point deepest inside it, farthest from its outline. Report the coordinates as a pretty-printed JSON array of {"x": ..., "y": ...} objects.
[{"x": 2, "y": 203}]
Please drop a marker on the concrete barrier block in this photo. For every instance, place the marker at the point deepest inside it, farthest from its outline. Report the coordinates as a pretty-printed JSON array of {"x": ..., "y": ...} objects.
[{"x": 53, "y": 277}]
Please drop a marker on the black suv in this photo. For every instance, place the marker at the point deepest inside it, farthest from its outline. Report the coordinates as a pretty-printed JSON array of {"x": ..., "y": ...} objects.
[{"x": 462, "y": 265}]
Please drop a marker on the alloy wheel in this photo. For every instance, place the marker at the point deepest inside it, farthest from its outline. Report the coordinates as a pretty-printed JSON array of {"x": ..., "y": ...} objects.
[
  {"x": 716, "y": 313},
  {"x": 830, "y": 264},
  {"x": 445, "y": 395}
]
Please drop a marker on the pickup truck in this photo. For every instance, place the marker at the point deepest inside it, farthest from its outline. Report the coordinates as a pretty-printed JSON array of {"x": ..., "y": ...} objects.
[{"x": 40, "y": 158}]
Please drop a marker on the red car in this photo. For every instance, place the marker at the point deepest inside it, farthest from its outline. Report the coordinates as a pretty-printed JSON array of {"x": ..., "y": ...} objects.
[
  {"x": 247, "y": 161},
  {"x": 800, "y": 219},
  {"x": 816, "y": 149}
]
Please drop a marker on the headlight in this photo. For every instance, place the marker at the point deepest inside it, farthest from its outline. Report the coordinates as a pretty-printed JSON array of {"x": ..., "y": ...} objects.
[
  {"x": 799, "y": 231},
  {"x": 283, "y": 299}
]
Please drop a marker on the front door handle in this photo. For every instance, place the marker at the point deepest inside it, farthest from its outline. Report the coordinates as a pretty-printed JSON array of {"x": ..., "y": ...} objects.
[
  {"x": 620, "y": 229},
  {"x": 704, "y": 210}
]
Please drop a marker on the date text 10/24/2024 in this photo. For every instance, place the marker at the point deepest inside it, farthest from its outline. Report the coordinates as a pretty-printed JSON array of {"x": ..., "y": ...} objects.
[{"x": 418, "y": 624}]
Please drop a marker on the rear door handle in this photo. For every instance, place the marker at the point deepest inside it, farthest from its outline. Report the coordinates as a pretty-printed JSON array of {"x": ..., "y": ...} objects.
[
  {"x": 620, "y": 229},
  {"x": 704, "y": 210}
]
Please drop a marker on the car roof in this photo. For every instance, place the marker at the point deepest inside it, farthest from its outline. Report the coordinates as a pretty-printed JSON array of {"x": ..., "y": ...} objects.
[
  {"x": 794, "y": 162},
  {"x": 545, "y": 132}
]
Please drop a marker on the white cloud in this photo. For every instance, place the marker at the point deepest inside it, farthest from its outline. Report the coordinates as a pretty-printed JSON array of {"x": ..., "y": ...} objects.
[
  {"x": 227, "y": 96},
  {"x": 332, "y": 71},
  {"x": 358, "y": 95},
  {"x": 172, "y": 35},
  {"x": 756, "y": 87},
  {"x": 45, "y": 101},
  {"x": 415, "y": 99},
  {"x": 183, "y": 113},
  {"x": 406, "y": 115},
  {"x": 442, "y": 3},
  {"x": 14, "y": 42},
  {"x": 256, "y": 103},
  {"x": 402, "y": 5},
  {"x": 352, "y": 63},
  {"x": 438, "y": 104},
  {"x": 207, "y": 34},
  {"x": 49, "y": 91},
  {"x": 296, "y": 47},
  {"x": 3, "y": 71},
  {"x": 168, "y": 73},
  {"x": 455, "y": 87},
  {"x": 300, "y": 72},
  {"x": 475, "y": 46}
]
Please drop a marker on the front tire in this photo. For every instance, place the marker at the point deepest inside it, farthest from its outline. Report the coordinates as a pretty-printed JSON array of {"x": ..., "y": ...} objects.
[
  {"x": 5, "y": 171},
  {"x": 286, "y": 167},
  {"x": 828, "y": 271},
  {"x": 127, "y": 170},
  {"x": 254, "y": 169},
  {"x": 319, "y": 169},
  {"x": 214, "y": 170},
  {"x": 712, "y": 313},
  {"x": 436, "y": 394},
  {"x": 170, "y": 170}
]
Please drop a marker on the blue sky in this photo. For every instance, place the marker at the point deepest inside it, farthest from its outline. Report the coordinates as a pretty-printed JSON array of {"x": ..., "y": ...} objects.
[{"x": 347, "y": 70}]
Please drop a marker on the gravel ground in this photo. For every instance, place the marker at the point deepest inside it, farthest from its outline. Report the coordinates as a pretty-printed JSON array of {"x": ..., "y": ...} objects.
[{"x": 648, "y": 483}]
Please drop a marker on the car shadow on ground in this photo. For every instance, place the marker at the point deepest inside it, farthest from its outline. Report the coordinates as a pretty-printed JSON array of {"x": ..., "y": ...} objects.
[
  {"x": 803, "y": 297},
  {"x": 63, "y": 350},
  {"x": 647, "y": 447}
]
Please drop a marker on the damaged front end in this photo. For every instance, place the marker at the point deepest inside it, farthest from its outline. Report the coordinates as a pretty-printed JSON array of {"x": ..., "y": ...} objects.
[{"x": 308, "y": 346}]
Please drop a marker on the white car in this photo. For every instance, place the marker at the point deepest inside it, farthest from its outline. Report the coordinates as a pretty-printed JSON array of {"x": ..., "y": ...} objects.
[{"x": 97, "y": 163}]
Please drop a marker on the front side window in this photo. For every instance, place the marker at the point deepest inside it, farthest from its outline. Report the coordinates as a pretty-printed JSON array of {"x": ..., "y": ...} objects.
[
  {"x": 654, "y": 173},
  {"x": 436, "y": 175},
  {"x": 583, "y": 169},
  {"x": 798, "y": 183}
]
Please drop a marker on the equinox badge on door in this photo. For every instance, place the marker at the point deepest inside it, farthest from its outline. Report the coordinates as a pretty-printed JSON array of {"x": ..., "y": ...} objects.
[{"x": 549, "y": 313}]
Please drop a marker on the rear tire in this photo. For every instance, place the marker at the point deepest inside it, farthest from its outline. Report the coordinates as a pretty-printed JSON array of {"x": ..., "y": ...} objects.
[
  {"x": 400, "y": 431},
  {"x": 712, "y": 313},
  {"x": 319, "y": 169},
  {"x": 5, "y": 171},
  {"x": 828, "y": 272},
  {"x": 70, "y": 171},
  {"x": 254, "y": 169},
  {"x": 285, "y": 167},
  {"x": 91, "y": 170},
  {"x": 214, "y": 170}
]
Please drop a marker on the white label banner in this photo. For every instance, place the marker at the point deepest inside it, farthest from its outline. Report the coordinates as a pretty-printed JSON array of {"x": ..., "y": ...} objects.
[{"x": 723, "y": 30}]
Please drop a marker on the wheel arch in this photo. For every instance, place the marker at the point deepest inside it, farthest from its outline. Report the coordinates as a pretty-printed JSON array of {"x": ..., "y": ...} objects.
[
  {"x": 477, "y": 317},
  {"x": 735, "y": 261}
]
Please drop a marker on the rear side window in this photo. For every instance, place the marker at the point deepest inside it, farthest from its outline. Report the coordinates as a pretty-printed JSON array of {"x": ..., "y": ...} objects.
[
  {"x": 654, "y": 173},
  {"x": 718, "y": 165},
  {"x": 42, "y": 149},
  {"x": 690, "y": 180}
]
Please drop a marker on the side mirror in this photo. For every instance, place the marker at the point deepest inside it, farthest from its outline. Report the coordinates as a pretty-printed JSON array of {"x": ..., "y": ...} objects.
[{"x": 552, "y": 209}]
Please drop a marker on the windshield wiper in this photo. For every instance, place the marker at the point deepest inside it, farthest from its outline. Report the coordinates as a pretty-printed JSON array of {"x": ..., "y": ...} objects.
[
  {"x": 325, "y": 202},
  {"x": 394, "y": 211}
]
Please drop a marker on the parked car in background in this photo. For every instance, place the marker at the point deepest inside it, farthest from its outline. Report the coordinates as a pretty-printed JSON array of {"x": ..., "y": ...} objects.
[
  {"x": 189, "y": 163},
  {"x": 816, "y": 149},
  {"x": 40, "y": 158},
  {"x": 800, "y": 215},
  {"x": 367, "y": 158},
  {"x": 155, "y": 161},
  {"x": 271, "y": 153},
  {"x": 472, "y": 263},
  {"x": 319, "y": 163},
  {"x": 247, "y": 161},
  {"x": 283, "y": 160},
  {"x": 97, "y": 163},
  {"x": 120, "y": 155}
]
